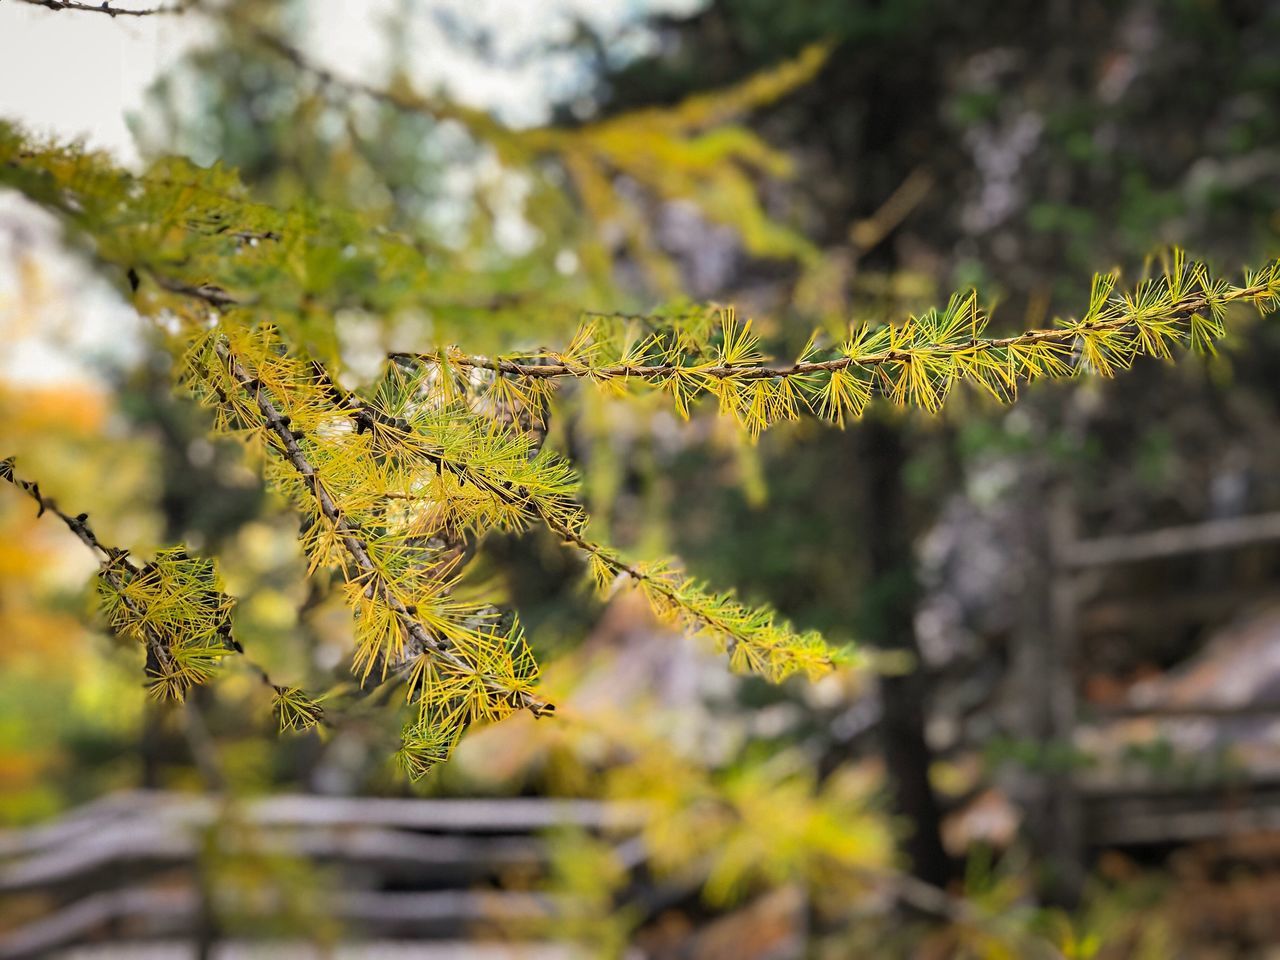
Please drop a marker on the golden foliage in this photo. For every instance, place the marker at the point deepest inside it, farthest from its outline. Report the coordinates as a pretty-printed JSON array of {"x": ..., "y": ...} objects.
[
  {"x": 392, "y": 480},
  {"x": 915, "y": 363}
]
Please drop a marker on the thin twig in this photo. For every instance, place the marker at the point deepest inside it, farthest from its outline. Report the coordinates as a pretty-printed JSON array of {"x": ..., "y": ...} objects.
[
  {"x": 866, "y": 234},
  {"x": 105, "y": 7},
  {"x": 113, "y": 560},
  {"x": 408, "y": 101},
  {"x": 638, "y": 575}
]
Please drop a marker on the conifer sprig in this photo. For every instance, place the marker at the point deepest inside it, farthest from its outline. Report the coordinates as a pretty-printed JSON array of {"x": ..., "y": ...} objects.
[
  {"x": 294, "y": 709},
  {"x": 915, "y": 363},
  {"x": 175, "y": 607},
  {"x": 462, "y": 662},
  {"x": 171, "y": 606},
  {"x": 754, "y": 638}
]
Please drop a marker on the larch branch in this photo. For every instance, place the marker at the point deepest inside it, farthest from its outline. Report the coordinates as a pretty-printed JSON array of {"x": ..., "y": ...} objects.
[
  {"x": 290, "y": 450},
  {"x": 558, "y": 370},
  {"x": 114, "y": 559}
]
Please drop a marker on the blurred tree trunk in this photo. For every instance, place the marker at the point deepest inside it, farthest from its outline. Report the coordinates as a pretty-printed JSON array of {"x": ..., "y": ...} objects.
[
  {"x": 892, "y": 622},
  {"x": 150, "y": 746}
]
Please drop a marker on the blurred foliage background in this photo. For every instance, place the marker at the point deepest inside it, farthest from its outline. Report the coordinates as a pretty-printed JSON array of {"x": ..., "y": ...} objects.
[{"x": 808, "y": 162}]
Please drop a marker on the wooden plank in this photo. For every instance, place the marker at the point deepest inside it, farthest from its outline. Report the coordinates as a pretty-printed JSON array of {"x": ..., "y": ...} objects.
[
  {"x": 517, "y": 815},
  {"x": 139, "y": 847},
  {"x": 1184, "y": 826},
  {"x": 168, "y": 912},
  {"x": 1225, "y": 711},
  {"x": 1227, "y": 534}
]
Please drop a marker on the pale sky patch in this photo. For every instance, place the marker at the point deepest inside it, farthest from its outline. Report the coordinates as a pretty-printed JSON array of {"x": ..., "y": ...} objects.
[{"x": 78, "y": 76}]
